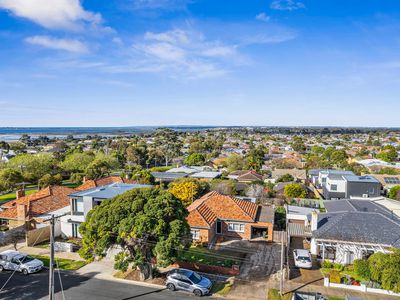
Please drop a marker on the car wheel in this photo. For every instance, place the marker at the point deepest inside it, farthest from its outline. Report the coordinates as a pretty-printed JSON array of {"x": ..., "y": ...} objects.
[
  {"x": 171, "y": 287},
  {"x": 1, "y": 268},
  {"x": 25, "y": 272},
  {"x": 197, "y": 293}
]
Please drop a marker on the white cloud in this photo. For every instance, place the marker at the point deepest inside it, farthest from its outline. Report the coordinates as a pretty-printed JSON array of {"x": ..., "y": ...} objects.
[
  {"x": 58, "y": 44},
  {"x": 163, "y": 51},
  {"x": 286, "y": 5},
  {"x": 185, "y": 52},
  {"x": 52, "y": 14},
  {"x": 160, "y": 4},
  {"x": 263, "y": 17},
  {"x": 172, "y": 36}
]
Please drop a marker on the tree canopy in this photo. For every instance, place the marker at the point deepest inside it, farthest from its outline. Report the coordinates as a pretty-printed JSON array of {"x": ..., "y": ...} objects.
[
  {"x": 295, "y": 190},
  {"x": 188, "y": 189},
  {"x": 146, "y": 223},
  {"x": 195, "y": 159}
]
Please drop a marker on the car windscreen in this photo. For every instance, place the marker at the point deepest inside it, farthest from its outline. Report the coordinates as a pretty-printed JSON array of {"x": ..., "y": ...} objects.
[
  {"x": 25, "y": 259},
  {"x": 303, "y": 258},
  {"x": 195, "y": 278}
]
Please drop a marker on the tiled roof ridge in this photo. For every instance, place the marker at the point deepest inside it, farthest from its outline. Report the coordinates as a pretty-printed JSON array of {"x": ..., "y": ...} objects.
[
  {"x": 208, "y": 209},
  {"x": 243, "y": 202}
]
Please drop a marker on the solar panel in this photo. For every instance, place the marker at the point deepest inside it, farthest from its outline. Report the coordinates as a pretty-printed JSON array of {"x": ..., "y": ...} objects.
[{"x": 392, "y": 180}]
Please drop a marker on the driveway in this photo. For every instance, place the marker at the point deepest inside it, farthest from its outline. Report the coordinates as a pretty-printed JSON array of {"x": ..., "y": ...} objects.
[{"x": 304, "y": 276}]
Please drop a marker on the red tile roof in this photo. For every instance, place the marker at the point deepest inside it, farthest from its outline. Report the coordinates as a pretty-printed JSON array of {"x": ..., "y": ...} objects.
[
  {"x": 214, "y": 205},
  {"x": 52, "y": 198},
  {"x": 44, "y": 201},
  {"x": 89, "y": 184}
]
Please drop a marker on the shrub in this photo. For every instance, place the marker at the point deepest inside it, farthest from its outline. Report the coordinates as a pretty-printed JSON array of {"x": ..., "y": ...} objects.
[
  {"x": 361, "y": 267},
  {"x": 273, "y": 294},
  {"x": 378, "y": 262},
  {"x": 334, "y": 276},
  {"x": 327, "y": 264},
  {"x": 338, "y": 267}
]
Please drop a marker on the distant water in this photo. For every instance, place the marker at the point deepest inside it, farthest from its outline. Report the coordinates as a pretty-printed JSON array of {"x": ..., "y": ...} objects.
[{"x": 11, "y": 134}]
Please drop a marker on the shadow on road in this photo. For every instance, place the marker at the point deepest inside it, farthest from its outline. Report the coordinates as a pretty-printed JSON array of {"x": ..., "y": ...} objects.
[
  {"x": 35, "y": 286},
  {"x": 144, "y": 294}
]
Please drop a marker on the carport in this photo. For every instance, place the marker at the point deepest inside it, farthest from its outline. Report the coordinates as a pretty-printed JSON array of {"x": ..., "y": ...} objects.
[{"x": 259, "y": 232}]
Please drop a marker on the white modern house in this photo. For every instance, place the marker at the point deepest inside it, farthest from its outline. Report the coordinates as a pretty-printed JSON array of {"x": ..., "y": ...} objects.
[{"x": 83, "y": 201}]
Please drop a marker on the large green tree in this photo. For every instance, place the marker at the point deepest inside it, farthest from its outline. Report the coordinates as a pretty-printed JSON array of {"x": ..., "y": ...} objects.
[
  {"x": 388, "y": 153},
  {"x": 101, "y": 166},
  {"x": 33, "y": 166},
  {"x": 77, "y": 162},
  {"x": 195, "y": 159},
  {"x": 9, "y": 179},
  {"x": 294, "y": 190},
  {"x": 146, "y": 223}
]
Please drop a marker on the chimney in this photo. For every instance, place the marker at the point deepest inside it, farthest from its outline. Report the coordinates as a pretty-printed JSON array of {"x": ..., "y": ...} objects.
[
  {"x": 20, "y": 193},
  {"x": 21, "y": 212},
  {"x": 314, "y": 220},
  {"x": 84, "y": 179}
]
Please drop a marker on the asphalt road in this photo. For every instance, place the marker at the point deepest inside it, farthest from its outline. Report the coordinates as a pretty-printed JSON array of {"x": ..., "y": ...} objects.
[{"x": 35, "y": 286}]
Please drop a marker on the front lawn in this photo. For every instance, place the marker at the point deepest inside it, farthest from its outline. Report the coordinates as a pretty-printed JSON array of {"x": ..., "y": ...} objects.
[
  {"x": 11, "y": 196},
  {"x": 63, "y": 264},
  {"x": 223, "y": 258}
]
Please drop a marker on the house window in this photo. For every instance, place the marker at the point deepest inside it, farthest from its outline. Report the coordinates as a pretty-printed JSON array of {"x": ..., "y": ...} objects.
[
  {"x": 195, "y": 234},
  {"x": 236, "y": 227},
  {"x": 75, "y": 230},
  {"x": 333, "y": 187},
  {"x": 77, "y": 206}
]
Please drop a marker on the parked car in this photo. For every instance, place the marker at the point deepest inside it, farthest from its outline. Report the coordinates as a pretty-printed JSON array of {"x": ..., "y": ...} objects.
[
  {"x": 16, "y": 261},
  {"x": 189, "y": 281},
  {"x": 302, "y": 258},
  {"x": 307, "y": 296}
]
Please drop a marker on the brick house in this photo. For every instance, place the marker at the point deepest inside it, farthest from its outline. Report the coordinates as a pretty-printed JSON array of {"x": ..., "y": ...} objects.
[{"x": 216, "y": 217}]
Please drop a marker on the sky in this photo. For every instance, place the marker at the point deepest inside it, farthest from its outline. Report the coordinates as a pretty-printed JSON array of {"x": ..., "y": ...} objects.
[{"x": 200, "y": 62}]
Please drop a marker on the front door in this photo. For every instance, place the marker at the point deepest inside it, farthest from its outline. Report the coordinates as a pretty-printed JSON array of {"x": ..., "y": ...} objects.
[
  {"x": 349, "y": 257},
  {"x": 219, "y": 227}
]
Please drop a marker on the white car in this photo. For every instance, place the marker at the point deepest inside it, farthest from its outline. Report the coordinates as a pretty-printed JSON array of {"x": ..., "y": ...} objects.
[
  {"x": 16, "y": 261},
  {"x": 302, "y": 259}
]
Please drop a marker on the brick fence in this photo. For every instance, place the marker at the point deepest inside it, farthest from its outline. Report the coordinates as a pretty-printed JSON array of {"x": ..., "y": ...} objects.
[{"x": 234, "y": 271}]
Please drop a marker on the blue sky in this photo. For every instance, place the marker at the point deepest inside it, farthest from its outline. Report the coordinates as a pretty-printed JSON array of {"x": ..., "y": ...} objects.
[{"x": 204, "y": 62}]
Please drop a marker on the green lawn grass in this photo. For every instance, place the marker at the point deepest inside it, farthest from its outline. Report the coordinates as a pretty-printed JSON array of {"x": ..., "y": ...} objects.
[
  {"x": 211, "y": 257},
  {"x": 63, "y": 264},
  {"x": 221, "y": 288},
  {"x": 11, "y": 196}
]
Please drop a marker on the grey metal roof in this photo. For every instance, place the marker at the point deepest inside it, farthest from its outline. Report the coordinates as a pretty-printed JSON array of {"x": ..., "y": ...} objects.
[
  {"x": 359, "y": 227},
  {"x": 168, "y": 176},
  {"x": 109, "y": 191},
  {"x": 356, "y": 205},
  {"x": 206, "y": 174},
  {"x": 336, "y": 176},
  {"x": 355, "y": 178},
  {"x": 339, "y": 172},
  {"x": 299, "y": 210}
]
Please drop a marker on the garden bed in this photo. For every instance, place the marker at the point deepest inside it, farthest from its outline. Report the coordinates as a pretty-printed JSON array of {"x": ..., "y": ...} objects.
[{"x": 220, "y": 258}]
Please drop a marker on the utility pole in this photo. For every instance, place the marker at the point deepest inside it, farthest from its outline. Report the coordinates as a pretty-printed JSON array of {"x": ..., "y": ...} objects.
[
  {"x": 51, "y": 273},
  {"x": 282, "y": 257}
]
